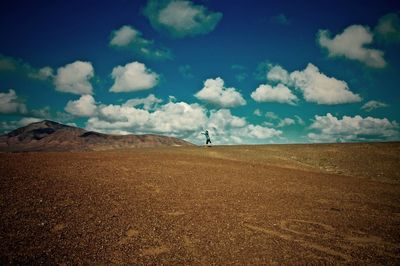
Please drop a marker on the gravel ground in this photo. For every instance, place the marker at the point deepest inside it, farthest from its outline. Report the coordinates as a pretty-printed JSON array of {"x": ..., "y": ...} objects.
[{"x": 270, "y": 204}]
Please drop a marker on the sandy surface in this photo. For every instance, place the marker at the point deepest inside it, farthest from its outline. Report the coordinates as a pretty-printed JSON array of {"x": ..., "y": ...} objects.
[{"x": 283, "y": 204}]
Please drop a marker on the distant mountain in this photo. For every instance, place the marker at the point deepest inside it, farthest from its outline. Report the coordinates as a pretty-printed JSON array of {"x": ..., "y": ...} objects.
[{"x": 52, "y": 136}]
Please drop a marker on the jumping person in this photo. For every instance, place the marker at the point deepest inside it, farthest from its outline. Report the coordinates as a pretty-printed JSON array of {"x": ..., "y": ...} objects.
[{"x": 208, "y": 140}]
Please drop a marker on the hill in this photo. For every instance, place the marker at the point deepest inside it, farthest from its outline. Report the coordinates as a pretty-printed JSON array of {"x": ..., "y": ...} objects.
[{"x": 52, "y": 136}]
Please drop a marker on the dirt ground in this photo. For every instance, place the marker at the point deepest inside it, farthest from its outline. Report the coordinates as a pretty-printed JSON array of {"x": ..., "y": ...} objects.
[{"x": 272, "y": 204}]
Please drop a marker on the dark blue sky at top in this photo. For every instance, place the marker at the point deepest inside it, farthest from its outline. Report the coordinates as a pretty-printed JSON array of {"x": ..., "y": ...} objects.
[{"x": 55, "y": 33}]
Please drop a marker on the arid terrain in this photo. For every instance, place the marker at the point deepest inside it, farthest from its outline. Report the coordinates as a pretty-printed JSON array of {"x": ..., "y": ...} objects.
[
  {"x": 51, "y": 136},
  {"x": 267, "y": 204}
]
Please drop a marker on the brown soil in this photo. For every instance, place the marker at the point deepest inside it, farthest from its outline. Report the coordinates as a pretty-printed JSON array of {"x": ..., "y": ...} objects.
[{"x": 282, "y": 204}]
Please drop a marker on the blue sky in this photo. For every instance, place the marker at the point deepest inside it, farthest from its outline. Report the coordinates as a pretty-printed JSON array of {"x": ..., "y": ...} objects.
[{"x": 248, "y": 71}]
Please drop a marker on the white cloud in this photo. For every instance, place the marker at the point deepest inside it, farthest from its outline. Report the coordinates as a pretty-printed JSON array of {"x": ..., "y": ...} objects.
[
  {"x": 357, "y": 128},
  {"x": 315, "y": 86},
  {"x": 130, "y": 38},
  {"x": 371, "y": 105},
  {"x": 119, "y": 117},
  {"x": 257, "y": 112},
  {"x": 72, "y": 124},
  {"x": 300, "y": 121},
  {"x": 216, "y": 93},
  {"x": 179, "y": 119},
  {"x": 321, "y": 89},
  {"x": 351, "y": 43},
  {"x": 133, "y": 77},
  {"x": 10, "y": 103},
  {"x": 43, "y": 112},
  {"x": 124, "y": 36},
  {"x": 282, "y": 122},
  {"x": 223, "y": 119},
  {"x": 388, "y": 27},
  {"x": 75, "y": 78},
  {"x": 278, "y": 74},
  {"x": 7, "y": 126},
  {"x": 280, "y": 93},
  {"x": 271, "y": 115},
  {"x": 258, "y": 132},
  {"x": 85, "y": 106},
  {"x": 286, "y": 122},
  {"x": 181, "y": 18},
  {"x": 42, "y": 74},
  {"x": 28, "y": 120},
  {"x": 226, "y": 128},
  {"x": 149, "y": 103}
]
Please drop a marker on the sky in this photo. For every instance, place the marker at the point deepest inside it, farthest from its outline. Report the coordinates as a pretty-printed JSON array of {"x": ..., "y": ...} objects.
[{"x": 250, "y": 72}]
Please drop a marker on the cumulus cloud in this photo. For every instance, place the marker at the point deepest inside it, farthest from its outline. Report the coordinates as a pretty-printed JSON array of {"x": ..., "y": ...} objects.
[
  {"x": 181, "y": 18},
  {"x": 178, "y": 119},
  {"x": 214, "y": 92},
  {"x": 11, "y": 104},
  {"x": 223, "y": 118},
  {"x": 274, "y": 119},
  {"x": 75, "y": 78},
  {"x": 300, "y": 120},
  {"x": 271, "y": 115},
  {"x": 85, "y": 106},
  {"x": 132, "y": 77},
  {"x": 278, "y": 74},
  {"x": 258, "y": 132},
  {"x": 7, "y": 126},
  {"x": 371, "y": 105},
  {"x": 131, "y": 39},
  {"x": 332, "y": 129},
  {"x": 42, "y": 74},
  {"x": 388, "y": 28},
  {"x": 124, "y": 36},
  {"x": 257, "y": 112},
  {"x": 28, "y": 120},
  {"x": 321, "y": 89},
  {"x": 315, "y": 86},
  {"x": 226, "y": 128},
  {"x": 118, "y": 116},
  {"x": 43, "y": 112},
  {"x": 148, "y": 103},
  {"x": 286, "y": 122},
  {"x": 280, "y": 93},
  {"x": 351, "y": 43}
]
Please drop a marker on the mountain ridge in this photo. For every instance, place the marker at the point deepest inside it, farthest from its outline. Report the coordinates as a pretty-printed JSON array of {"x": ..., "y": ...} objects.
[{"x": 49, "y": 135}]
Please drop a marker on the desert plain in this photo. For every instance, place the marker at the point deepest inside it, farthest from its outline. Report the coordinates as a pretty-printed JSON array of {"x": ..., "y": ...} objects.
[{"x": 264, "y": 204}]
